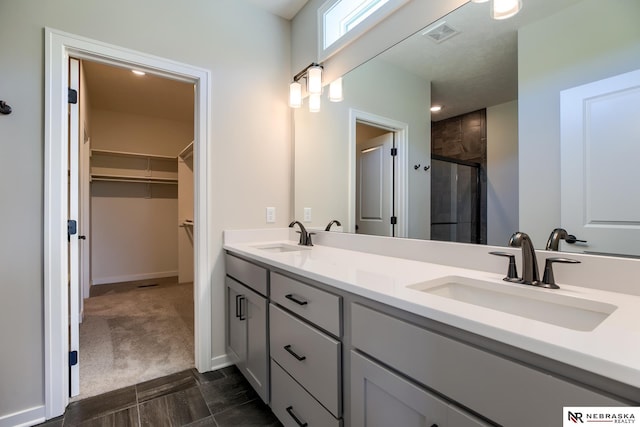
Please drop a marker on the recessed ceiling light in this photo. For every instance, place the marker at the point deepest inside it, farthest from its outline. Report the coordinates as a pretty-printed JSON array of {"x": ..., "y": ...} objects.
[
  {"x": 138, "y": 73},
  {"x": 436, "y": 108}
]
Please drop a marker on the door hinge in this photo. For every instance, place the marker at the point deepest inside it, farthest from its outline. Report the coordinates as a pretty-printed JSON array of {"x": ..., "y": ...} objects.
[
  {"x": 73, "y": 358},
  {"x": 394, "y": 151},
  {"x": 72, "y": 96},
  {"x": 72, "y": 227},
  {"x": 394, "y": 220}
]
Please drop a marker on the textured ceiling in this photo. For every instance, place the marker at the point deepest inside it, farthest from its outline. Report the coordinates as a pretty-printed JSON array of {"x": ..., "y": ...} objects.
[
  {"x": 476, "y": 68},
  {"x": 118, "y": 89}
]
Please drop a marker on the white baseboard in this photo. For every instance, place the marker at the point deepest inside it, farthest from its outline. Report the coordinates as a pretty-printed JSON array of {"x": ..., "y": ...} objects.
[
  {"x": 133, "y": 277},
  {"x": 27, "y": 417},
  {"x": 221, "y": 361}
]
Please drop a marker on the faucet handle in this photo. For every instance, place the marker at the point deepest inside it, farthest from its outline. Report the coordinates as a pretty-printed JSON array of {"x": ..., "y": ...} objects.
[
  {"x": 548, "y": 281},
  {"x": 309, "y": 242},
  {"x": 512, "y": 273}
]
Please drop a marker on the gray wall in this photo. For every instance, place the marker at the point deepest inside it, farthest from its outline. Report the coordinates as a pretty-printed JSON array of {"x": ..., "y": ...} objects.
[
  {"x": 568, "y": 49},
  {"x": 502, "y": 172},
  {"x": 248, "y": 52},
  {"x": 322, "y": 149}
]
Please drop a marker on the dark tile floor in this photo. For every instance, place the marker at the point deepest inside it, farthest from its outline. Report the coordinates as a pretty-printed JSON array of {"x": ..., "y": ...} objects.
[{"x": 219, "y": 398}]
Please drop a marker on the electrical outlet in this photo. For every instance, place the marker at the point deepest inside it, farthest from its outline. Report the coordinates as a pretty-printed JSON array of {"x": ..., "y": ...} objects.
[
  {"x": 271, "y": 215},
  {"x": 307, "y": 215}
]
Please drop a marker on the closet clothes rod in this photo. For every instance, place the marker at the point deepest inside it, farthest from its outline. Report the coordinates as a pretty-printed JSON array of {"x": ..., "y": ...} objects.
[{"x": 136, "y": 180}]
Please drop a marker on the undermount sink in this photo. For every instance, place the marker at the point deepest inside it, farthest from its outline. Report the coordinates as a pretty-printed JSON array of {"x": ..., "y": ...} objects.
[
  {"x": 281, "y": 247},
  {"x": 532, "y": 303}
]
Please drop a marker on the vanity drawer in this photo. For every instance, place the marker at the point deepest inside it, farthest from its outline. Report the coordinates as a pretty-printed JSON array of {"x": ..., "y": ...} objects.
[
  {"x": 497, "y": 388},
  {"x": 311, "y": 357},
  {"x": 247, "y": 273},
  {"x": 290, "y": 400},
  {"x": 317, "y": 306}
]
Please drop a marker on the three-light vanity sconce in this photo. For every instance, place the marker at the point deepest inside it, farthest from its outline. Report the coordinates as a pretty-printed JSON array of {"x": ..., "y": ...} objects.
[{"x": 313, "y": 76}]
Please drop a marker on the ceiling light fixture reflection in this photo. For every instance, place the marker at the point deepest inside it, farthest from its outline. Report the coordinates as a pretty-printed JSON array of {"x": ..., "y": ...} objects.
[
  {"x": 436, "y": 108},
  {"x": 138, "y": 72},
  {"x": 503, "y": 9}
]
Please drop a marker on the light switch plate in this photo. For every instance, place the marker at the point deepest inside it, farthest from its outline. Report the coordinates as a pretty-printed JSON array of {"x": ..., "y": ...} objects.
[
  {"x": 271, "y": 215},
  {"x": 307, "y": 215}
]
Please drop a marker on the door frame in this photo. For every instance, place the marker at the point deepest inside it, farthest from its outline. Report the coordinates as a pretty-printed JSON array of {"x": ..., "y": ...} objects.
[
  {"x": 401, "y": 136},
  {"x": 59, "y": 46}
]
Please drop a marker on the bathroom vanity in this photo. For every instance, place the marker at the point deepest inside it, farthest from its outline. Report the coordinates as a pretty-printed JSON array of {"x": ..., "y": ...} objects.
[{"x": 356, "y": 338}]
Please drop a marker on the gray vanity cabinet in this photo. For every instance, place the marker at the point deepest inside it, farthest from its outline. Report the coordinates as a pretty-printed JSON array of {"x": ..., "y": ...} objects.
[
  {"x": 502, "y": 390},
  {"x": 380, "y": 398},
  {"x": 306, "y": 353},
  {"x": 334, "y": 358},
  {"x": 247, "y": 324}
]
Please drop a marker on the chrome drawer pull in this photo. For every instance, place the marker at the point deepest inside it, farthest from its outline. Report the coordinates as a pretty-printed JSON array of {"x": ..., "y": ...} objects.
[
  {"x": 290, "y": 412},
  {"x": 293, "y": 353},
  {"x": 296, "y": 300}
]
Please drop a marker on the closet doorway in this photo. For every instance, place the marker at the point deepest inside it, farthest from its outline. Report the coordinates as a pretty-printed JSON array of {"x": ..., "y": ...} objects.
[
  {"x": 58, "y": 298},
  {"x": 137, "y": 319}
]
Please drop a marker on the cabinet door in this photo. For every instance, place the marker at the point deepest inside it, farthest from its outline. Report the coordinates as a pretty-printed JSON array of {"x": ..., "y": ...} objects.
[
  {"x": 254, "y": 312},
  {"x": 380, "y": 398},
  {"x": 236, "y": 329},
  {"x": 247, "y": 335}
]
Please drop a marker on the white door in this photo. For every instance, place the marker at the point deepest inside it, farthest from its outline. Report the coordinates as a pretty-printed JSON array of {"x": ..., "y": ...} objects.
[
  {"x": 374, "y": 186},
  {"x": 73, "y": 214},
  {"x": 600, "y": 150},
  {"x": 85, "y": 217}
]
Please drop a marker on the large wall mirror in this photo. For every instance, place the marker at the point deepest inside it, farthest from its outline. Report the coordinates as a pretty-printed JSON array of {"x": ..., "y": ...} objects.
[{"x": 491, "y": 162}]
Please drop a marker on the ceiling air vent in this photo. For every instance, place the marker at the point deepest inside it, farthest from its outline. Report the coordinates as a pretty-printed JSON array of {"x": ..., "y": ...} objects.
[{"x": 440, "y": 32}]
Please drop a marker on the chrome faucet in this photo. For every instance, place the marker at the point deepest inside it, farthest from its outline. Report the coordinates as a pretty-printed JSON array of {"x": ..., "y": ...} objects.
[
  {"x": 530, "y": 274},
  {"x": 335, "y": 221},
  {"x": 305, "y": 236}
]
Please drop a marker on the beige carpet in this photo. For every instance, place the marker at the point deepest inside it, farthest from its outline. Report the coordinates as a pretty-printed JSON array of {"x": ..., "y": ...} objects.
[{"x": 134, "y": 336}]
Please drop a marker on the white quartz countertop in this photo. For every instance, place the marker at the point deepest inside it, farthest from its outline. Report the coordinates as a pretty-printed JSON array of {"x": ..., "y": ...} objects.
[{"x": 612, "y": 349}]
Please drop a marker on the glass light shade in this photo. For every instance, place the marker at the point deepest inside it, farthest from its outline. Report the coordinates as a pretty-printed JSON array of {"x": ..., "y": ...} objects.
[
  {"x": 295, "y": 95},
  {"x": 314, "y": 80},
  {"x": 479, "y": 1},
  {"x": 503, "y": 9},
  {"x": 335, "y": 90},
  {"x": 314, "y": 103}
]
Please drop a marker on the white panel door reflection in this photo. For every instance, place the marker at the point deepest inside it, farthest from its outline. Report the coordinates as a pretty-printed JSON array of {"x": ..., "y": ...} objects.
[{"x": 600, "y": 174}]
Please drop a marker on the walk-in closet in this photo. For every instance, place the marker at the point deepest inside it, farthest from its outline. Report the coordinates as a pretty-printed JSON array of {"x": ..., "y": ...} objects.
[{"x": 137, "y": 194}]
